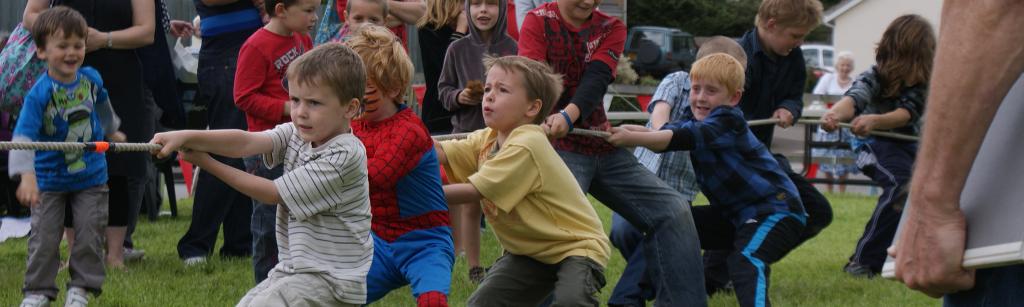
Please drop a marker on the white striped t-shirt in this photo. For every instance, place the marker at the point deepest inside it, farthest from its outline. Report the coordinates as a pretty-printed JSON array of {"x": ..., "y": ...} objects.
[{"x": 324, "y": 225}]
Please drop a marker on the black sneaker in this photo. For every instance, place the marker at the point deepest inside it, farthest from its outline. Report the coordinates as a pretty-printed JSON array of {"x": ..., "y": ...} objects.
[
  {"x": 859, "y": 270},
  {"x": 476, "y": 274}
]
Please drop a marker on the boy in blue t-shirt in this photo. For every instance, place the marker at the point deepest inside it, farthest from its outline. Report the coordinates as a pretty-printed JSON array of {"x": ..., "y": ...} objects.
[
  {"x": 755, "y": 213},
  {"x": 67, "y": 104}
]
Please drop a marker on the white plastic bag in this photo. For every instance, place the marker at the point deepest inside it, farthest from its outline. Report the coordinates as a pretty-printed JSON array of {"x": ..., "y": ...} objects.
[{"x": 186, "y": 61}]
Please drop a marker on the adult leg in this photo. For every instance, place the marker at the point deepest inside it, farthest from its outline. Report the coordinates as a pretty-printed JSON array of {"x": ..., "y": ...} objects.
[
  {"x": 119, "y": 213},
  {"x": 992, "y": 287},
  {"x": 891, "y": 169},
  {"x": 757, "y": 245},
  {"x": 44, "y": 245},
  {"x": 263, "y": 219},
  {"x": 661, "y": 213},
  {"x": 514, "y": 280},
  {"x": 633, "y": 283},
  {"x": 86, "y": 257}
]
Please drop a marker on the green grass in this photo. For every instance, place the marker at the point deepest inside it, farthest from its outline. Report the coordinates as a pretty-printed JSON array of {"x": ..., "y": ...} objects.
[{"x": 809, "y": 276}]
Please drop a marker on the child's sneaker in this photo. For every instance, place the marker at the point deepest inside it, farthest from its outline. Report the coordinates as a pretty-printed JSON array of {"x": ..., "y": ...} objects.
[
  {"x": 131, "y": 254},
  {"x": 35, "y": 300},
  {"x": 193, "y": 261},
  {"x": 77, "y": 297}
]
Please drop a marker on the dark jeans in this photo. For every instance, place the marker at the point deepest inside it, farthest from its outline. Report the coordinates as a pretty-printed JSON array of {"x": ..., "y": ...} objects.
[
  {"x": 750, "y": 248},
  {"x": 516, "y": 280},
  {"x": 670, "y": 244},
  {"x": 215, "y": 202},
  {"x": 992, "y": 287},
  {"x": 888, "y": 163},
  {"x": 264, "y": 218}
]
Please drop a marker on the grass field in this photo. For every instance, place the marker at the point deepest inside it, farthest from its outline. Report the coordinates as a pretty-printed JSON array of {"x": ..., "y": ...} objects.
[{"x": 809, "y": 276}]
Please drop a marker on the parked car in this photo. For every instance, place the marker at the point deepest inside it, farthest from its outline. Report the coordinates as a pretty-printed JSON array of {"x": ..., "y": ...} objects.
[
  {"x": 659, "y": 51},
  {"x": 819, "y": 57}
]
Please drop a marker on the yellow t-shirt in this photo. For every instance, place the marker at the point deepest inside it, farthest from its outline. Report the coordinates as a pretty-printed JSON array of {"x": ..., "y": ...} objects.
[{"x": 531, "y": 199}]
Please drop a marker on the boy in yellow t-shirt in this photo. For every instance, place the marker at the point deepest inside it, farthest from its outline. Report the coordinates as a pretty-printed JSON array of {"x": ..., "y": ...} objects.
[{"x": 552, "y": 236}]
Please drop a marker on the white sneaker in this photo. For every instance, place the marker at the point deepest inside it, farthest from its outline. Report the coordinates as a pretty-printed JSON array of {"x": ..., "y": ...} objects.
[
  {"x": 132, "y": 255},
  {"x": 35, "y": 300},
  {"x": 193, "y": 261},
  {"x": 77, "y": 297}
]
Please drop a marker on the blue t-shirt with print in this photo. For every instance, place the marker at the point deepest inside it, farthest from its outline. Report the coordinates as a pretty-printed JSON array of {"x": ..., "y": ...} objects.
[{"x": 59, "y": 112}]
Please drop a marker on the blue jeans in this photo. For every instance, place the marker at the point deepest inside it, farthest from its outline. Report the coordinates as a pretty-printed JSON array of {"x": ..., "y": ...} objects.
[
  {"x": 992, "y": 287},
  {"x": 264, "y": 218},
  {"x": 633, "y": 288},
  {"x": 670, "y": 246}
]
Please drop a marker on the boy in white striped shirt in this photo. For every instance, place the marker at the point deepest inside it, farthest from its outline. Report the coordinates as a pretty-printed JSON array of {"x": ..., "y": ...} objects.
[{"x": 323, "y": 221}]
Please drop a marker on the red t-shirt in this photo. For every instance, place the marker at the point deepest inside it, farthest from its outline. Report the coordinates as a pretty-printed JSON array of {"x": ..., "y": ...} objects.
[
  {"x": 510, "y": 17},
  {"x": 399, "y": 30},
  {"x": 545, "y": 37},
  {"x": 259, "y": 79}
]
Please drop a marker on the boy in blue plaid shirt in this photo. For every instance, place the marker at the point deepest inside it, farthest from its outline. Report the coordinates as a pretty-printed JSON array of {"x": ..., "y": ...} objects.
[
  {"x": 669, "y": 104},
  {"x": 756, "y": 212}
]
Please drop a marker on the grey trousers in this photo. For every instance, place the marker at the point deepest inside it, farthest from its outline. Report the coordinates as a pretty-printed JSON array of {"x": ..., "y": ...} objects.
[
  {"x": 89, "y": 209},
  {"x": 516, "y": 280}
]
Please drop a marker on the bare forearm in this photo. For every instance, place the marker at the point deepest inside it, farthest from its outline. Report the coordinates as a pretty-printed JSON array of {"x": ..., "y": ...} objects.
[
  {"x": 895, "y": 119},
  {"x": 660, "y": 115},
  {"x": 843, "y": 109},
  {"x": 228, "y": 143},
  {"x": 461, "y": 193},
  {"x": 967, "y": 86},
  {"x": 256, "y": 187},
  {"x": 32, "y": 10},
  {"x": 407, "y": 11}
]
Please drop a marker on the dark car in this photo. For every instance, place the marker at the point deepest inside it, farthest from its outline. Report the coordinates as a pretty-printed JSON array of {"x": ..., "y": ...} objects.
[{"x": 658, "y": 51}]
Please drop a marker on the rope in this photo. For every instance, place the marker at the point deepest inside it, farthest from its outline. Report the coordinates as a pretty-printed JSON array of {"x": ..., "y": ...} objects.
[{"x": 101, "y": 147}]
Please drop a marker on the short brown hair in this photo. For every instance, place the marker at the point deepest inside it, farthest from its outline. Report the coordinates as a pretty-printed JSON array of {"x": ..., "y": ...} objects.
[
  {"x": 60, "y": 18},
  {"x": 905, "y": 54},
  {"x": 722, "y": 44},
  {"x": 721, "y": 68},
  {"x": 387, "y": 64},
  {"x": 790, "y": 13},
  {"x": 540, "y": 81},
  {"x": 332, "y": 65}
]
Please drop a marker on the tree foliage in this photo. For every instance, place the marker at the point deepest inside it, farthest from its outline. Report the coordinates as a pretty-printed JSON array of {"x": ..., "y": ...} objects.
[{"x": 706, "y": 17}]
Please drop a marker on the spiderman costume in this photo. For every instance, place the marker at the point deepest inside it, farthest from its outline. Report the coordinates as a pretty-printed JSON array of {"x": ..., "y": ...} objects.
[{"x": 411, "y": 232}]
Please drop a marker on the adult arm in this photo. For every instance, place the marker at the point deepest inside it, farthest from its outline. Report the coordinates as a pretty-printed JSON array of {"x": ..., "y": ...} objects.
[
  {"x": 139, "y": 34},
  {"x": 409, "y": 11},
  {"x": 32, "y": 10},
  {"x": 967, "y": 86}
]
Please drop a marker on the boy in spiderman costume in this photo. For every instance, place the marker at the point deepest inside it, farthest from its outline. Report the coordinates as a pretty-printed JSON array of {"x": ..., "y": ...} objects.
[{"x": 411, "y": 232}]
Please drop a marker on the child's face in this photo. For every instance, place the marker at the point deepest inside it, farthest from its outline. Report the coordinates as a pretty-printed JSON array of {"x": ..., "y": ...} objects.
[
  {"x": 706, "y": 95},
  {"x": 363, "y": 12},
  {"x": 375, "y": 103},
  {"x": 505, "y": 104},
  {"x": 318, "y": 113},
  {"x": 577, "y": 11},
  {"x": 299, "y": 17},
  {"x": 484, "y": 14},
  {"x": 63, "y": 55},
  {"x": 781, "y": 40}
]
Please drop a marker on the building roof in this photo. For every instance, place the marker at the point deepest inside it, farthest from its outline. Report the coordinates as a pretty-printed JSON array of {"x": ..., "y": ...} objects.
[{"x": 838, "y": 10}]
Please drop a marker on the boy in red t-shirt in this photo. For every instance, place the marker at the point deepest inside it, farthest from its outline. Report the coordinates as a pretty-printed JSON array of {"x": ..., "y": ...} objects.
[
  {"x": 260, "y": 92},
  {"x": 584, "y": 46}
]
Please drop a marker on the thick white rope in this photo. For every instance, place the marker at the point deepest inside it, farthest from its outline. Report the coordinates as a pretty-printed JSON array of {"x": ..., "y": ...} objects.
[{"x": 136, "y": 147}]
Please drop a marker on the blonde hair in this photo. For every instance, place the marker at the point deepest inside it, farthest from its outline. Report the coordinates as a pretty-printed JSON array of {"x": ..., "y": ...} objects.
[
  {"x": 722, "y": 44},
  {"x": 440, "y": 13},
  {"x": 387, "y": 65},
  {"x": 721, "y": 68},
  {"x": 789, "y": 13},
  {"x": 905, "y": 54},
  {"x": 332, "y": 65},
  {"x": 539, "y": 80}
]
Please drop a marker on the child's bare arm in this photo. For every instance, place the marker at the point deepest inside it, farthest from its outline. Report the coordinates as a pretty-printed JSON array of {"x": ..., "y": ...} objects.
[
  {"x": 895, "y": 119},
  {"x": 256, "y": 187},
  {"x": 462, "y": 193},
  {"x": 842, "y": 111},
  {"x": 660, "y": 114},
  {"x": 227, "y": 142},
  {"x": 633, "y": 135},
  {"x": 441, "y": 157}
]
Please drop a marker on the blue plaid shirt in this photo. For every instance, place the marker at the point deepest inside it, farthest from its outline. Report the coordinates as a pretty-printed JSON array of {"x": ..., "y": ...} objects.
[
  {"x": 673, "y": 167},
  {"x": 733, "y": 168}
]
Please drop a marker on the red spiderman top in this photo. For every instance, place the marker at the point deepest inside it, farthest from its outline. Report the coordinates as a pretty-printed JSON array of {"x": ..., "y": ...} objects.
[{"x": 405, "y": 181}]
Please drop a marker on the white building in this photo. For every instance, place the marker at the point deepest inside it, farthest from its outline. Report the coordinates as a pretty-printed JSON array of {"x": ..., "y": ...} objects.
[{"x": 858, "y": 24}]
